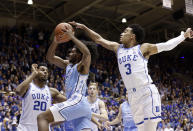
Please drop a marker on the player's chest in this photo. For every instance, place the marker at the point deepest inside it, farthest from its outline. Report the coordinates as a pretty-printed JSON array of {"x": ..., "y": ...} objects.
[
  {"x": 40, "y": 95},
  {"x": 94, "y": 108},
  {"x": 125, "y": 56}
]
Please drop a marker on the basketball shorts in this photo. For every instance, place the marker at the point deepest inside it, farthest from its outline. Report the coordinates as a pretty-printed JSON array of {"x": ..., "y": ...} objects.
[
  {"x": 145, "y": 103},
  {"x": 75, "y": 109}
]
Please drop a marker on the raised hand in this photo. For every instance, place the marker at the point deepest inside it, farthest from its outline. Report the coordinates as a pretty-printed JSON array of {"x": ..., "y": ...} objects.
[
  {"x": 77, "y": 25},
  {"x": 188, "y": 33},
  {"x": 35, "y": 68},
  {"x": 69, "y": 32}
]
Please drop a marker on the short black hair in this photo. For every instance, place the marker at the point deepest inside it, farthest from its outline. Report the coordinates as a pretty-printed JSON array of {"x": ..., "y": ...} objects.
[
  {"x": 42, "y": 64},
  {"x": 92, "y": 48},
  {"x": 138, "y": 31}
]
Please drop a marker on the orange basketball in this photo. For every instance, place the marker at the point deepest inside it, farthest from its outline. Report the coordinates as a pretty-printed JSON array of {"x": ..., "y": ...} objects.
[{"x": 59, "y": 32}]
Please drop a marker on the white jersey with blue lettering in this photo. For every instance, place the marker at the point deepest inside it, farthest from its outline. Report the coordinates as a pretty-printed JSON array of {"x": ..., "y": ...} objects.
[
  {"x": 133, "y": 67},
  {"x": 35, "y": 101},
  {"x": 95, "y": 109}
]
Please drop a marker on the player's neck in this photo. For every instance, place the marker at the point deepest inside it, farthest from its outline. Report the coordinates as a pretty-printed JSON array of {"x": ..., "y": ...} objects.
[
  {"x": 130, "y": 44},
  {"x": 39, "y": 83},
  {"x": 92, "y": 99}
]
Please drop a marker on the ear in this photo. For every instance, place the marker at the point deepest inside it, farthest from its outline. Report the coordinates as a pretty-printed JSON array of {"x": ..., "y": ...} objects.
[{"x": 133, "y": 36}]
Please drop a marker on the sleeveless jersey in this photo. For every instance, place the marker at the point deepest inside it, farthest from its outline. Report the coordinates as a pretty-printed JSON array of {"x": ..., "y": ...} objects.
[
  {"x": 75, "y": 82},
  {"x": 95, "y": 109},
  {"x": 126, "y": 114},
  {"x": 35, "y": 101},
  {"x": 133, "y": 67}
]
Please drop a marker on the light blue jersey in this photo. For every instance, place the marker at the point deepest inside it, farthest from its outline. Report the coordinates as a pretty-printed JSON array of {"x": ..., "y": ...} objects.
[
  {"x": 76, "y": 110},
  {"x": 75, "y": 82},
  {"x": 128, "y": 122}
]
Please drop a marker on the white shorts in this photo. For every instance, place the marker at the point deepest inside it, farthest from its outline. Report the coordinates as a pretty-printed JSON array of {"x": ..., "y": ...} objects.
[
  {"x": 75, "y": 109},
  {"x": 145, "y": 104},
  {"x": 27, "y": 127}
]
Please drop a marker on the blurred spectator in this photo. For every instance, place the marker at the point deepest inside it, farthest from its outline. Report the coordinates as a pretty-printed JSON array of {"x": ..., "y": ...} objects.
[{"x": 22, "y": 46}]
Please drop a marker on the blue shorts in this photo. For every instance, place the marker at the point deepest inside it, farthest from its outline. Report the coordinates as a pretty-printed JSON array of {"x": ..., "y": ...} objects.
[{"x": 75, "y": 109}]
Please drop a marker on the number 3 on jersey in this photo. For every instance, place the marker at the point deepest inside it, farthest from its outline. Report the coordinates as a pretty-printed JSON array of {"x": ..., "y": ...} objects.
[{"x": 128, "y": 66}]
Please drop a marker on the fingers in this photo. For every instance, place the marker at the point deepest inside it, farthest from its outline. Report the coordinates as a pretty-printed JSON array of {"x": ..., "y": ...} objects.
[
  {"x": 191, "y": 34},
  {"x": 72, "y": 23},
  {"x": 35, "y": 66}
]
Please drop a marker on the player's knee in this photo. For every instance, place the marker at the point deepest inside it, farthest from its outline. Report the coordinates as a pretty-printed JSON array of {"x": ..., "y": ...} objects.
[{"x": 41, "y": 117}]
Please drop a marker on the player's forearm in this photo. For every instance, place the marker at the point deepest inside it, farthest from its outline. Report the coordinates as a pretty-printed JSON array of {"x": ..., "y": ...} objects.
[
  {"x": 82, "y": 47},
  {"x": 101, "y": 117},
  {"x": 51, "y": 52},
  {"x": 170, "y": 44},
  {"x": 22, "y": 88},
  {"x": 99, "y": 39},
  {"x": 115, "y": 121},
  {"x": 92, "y": 34},
  {"x": 94, "y": 120}
]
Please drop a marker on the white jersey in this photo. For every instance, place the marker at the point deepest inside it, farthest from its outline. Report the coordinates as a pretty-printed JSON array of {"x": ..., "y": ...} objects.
[
  {"x": 133, "y": 67},
  {"x": 95, "y": 109},
  {"x": 35, "y": 101}
]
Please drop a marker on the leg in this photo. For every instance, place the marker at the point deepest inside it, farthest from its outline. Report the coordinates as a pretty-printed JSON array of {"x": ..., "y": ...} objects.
[
  {"x": 150, "y": 125},
  {"x": 140, "y": 127},
  {"x": 152, "y": 109},
  {"x": 135, "y": 99},
  {"x": 44, "y": 119}
]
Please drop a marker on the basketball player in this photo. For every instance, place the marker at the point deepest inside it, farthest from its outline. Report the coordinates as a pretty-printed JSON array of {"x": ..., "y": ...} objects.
[
  {"x": 132, "y": 56},
  {"x": 125, "y": 116},
  {"x": 36, "y": 97},
  {"x": 76, "y": 108},
  {"x": 98, "y": 110}
]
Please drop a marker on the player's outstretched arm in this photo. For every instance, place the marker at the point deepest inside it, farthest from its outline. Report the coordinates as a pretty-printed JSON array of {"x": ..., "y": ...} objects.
[
  {"x": 84, "y": 64},
  {"x": 110, "y": 45},
  {"x": 117, "y": 120},
  {"x": 151, "y": 49},
  {"x": 23, "y": 87},
  {"x": 57, "y": 96},
  {"x": 52, "y": 58},
  {"x": 103, "y": 116}
]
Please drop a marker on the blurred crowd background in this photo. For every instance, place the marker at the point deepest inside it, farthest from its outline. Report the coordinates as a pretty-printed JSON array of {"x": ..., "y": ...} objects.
[{"x": 22, "y": 46}]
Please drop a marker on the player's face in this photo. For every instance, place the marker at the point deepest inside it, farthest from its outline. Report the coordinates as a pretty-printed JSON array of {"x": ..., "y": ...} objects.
[
  {"x": 73, "y": 55},
  {"x": 92, "y": 90},
  {"x": 126, "y": 36},
  {"x": 43, "y": 73}
]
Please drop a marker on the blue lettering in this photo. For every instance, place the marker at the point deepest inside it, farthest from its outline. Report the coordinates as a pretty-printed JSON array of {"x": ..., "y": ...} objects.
[
  {"x": 38, "y": 95},
  {"x": 135, "y": 57},
  {"x": 47, "y": 98},
  {"x": 42, "y": 96},
  {"x": 33, "y": 96},
  {"x": 124, "y": 59},
  {"x": 129, "y": 57},
  {"x": 120, "y": 61}
]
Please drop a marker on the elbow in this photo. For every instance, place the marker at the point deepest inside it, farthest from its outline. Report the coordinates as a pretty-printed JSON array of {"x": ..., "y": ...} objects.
[
  {"x": 49, "y": 58},
  {"x": 87, "y": 54},
  {"x": 18, "y": 91},
  {"x": 98, "y": 39}
]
